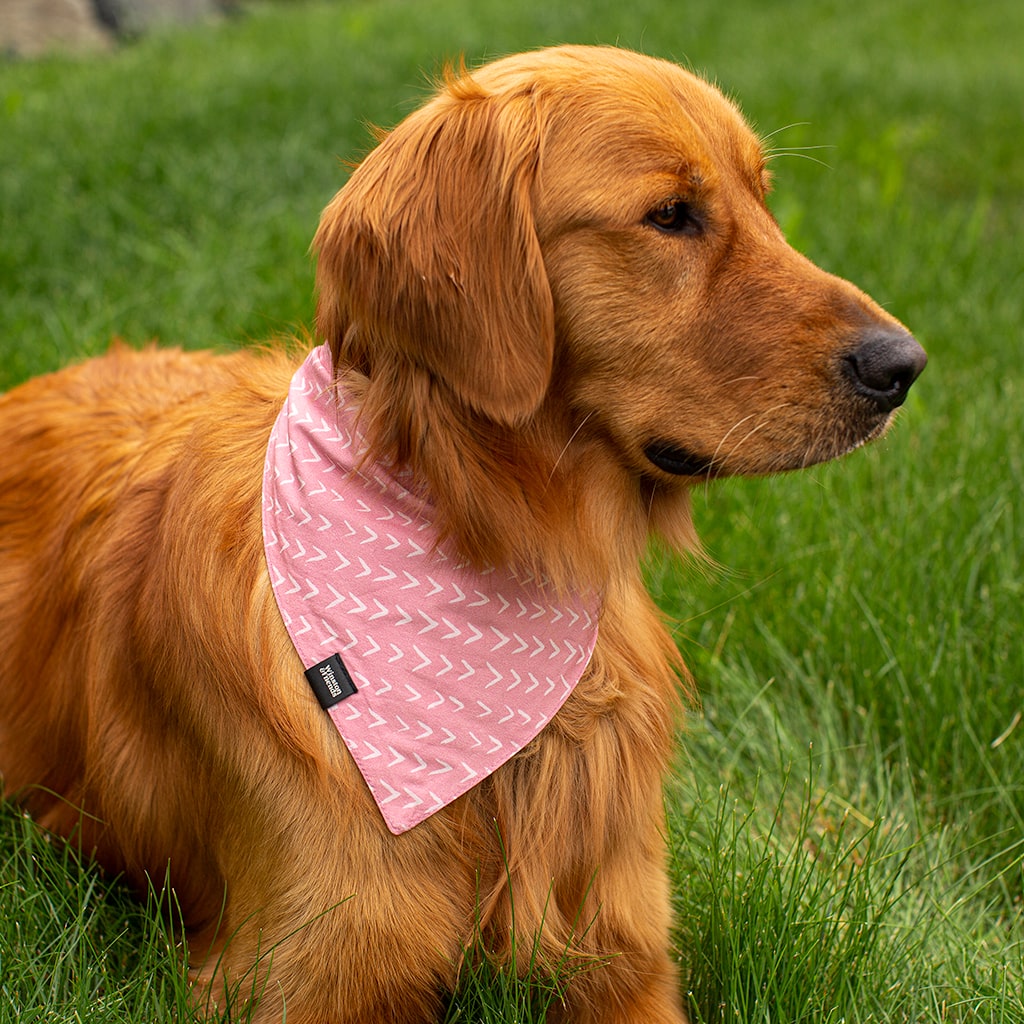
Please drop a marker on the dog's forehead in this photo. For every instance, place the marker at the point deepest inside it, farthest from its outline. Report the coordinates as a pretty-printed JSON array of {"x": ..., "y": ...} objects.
[
  {"x": 657, "y": 123},
  {"x": 606, "y": 111}
]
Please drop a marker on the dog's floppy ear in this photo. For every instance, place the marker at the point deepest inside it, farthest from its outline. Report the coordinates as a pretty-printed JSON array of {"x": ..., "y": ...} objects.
[{"x": 429, "y": 254}]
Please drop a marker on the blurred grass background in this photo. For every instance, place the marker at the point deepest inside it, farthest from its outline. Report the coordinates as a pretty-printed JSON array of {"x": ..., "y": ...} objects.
[{"x": 847, "y": 820}]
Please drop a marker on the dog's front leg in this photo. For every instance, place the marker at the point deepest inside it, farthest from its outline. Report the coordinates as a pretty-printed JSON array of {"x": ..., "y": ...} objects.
[
  {"x": 585, "y": 896},
  {"x": 636, "y": 980},
  {"x": 333, "y": 921}
]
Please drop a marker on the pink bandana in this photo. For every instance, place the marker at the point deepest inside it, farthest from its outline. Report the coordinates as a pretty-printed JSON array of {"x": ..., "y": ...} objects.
[{"x": 433, "y": 673}]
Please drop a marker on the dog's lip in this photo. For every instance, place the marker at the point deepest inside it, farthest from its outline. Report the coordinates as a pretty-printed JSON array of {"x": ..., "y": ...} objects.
[
  {"x": 679, "y": 461},
  {"x": 876, "y": 430}
]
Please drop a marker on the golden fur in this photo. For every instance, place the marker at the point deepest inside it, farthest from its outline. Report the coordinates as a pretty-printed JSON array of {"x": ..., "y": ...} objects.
[{"x": 560, "y": 299}]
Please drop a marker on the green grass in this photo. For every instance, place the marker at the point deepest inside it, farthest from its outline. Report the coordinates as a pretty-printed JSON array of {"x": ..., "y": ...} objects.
[
  {"x": 72, "y": 945},
  {"x": 847, "y": 819}
]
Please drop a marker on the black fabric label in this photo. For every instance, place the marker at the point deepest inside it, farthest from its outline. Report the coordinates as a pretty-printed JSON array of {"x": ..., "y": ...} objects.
[{"x": 330, "y": 681}]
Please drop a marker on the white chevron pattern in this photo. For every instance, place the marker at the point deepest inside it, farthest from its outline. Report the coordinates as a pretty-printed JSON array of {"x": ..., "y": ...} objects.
[{"x": 456, "y": 670}]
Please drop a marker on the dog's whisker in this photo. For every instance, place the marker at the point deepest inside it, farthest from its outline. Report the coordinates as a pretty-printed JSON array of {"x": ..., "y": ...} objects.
[
  {"x": 737, "y": 425},
  {"x": 566, "y": 446},
  {"x": 718, "y": 448},
  {"x": 763, "y": 422},
  {"x": 803, "y": 156},
  {"x": 650, "y": 503},
  {"x": 783, "y": 150},
  {"x": 784, "y": 128}
]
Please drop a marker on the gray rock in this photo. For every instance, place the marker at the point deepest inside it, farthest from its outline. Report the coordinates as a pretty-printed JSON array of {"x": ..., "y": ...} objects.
[
  {"x": 134, "y": 17},
  {"x": 30, "y": 28}
]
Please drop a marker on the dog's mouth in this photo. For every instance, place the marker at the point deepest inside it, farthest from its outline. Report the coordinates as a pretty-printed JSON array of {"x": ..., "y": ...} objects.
[
  {"x": 682, "y": 462},
  {"x": 670, "y": 458}
]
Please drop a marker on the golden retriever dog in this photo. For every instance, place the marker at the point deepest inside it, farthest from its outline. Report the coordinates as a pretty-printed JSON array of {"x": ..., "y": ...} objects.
[{"x": 551, "y": 301}]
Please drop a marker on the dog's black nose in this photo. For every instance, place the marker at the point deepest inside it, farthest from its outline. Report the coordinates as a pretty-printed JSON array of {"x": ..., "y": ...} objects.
[{"x": 884, "y": 365}]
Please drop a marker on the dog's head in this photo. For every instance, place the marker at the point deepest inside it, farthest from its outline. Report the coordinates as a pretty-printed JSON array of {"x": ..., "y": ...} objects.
[{"x": 582, "y": 233}]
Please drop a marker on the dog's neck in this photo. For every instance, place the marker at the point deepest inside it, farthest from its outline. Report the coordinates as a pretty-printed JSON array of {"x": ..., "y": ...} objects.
[{"x": 541, "y": 497}]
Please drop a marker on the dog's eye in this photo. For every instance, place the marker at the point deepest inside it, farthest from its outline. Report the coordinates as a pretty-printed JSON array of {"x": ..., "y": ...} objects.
[{"x": 676, "y": 217}]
